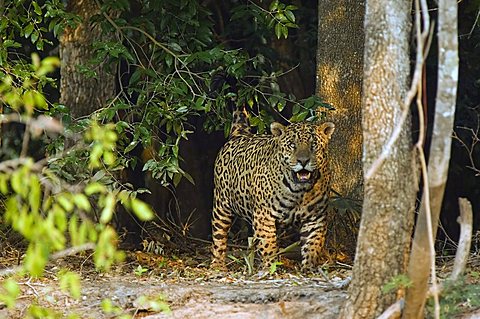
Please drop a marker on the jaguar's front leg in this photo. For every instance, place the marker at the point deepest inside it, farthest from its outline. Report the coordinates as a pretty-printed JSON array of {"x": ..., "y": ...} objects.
[
  {"x": 312, "y": 236},
  {"x": 266, "y": 237}
]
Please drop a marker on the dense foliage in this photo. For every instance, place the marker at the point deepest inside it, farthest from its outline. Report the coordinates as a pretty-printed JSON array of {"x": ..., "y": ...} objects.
[{"x": 171, "y": 51}]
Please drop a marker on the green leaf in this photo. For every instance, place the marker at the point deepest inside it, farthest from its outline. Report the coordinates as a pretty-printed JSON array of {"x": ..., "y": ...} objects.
[
  {"x": 3, "y": 184},
  {"x": 142, "y": 210},
  {"x": 73, "y": 231},
  {"x": 17, "y": 182},
  {"x": 284, "y": 31},
  {"x": 34, "y": 194},
  {"x": 175, "y": 46},
  {"x": 70, "y": 283},
  {"x": 81, "y": 201},
  {"x": 175, "y": 150},
  {"x": 65, "y": 201},
  {"x": 290, "y": 16},
  {"x": 188, "y": 177},
  {"x": 37, "y": 8},
  {"x": 182, "y": 109},
  {"x": 108, "y": 209},
  {"x": 273, "y": 5},
  {"x": 130, "y": 146},
  {"x": 36, "y": 258},
  {"x": 93, "y": 188},
  {"x": 135, "y": 76},
  {"x": 11, "y": 44},
  {"x": 28, "y": 30},
  {"x": 34, "y": 36},
  {"x": 10, "y": 294},
  {"x": 273, "y": 267},
  {"x": 169, "y": 60},
  {"x": 278, "y": 30}
]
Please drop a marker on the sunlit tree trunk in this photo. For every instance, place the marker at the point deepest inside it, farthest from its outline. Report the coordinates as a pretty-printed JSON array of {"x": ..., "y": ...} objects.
[
  {"x": 339, "y": 82},
  {"x": 419, "y": 267},
  {"x": 389, "y": 194},
  {"x": 81, "y": 94}
]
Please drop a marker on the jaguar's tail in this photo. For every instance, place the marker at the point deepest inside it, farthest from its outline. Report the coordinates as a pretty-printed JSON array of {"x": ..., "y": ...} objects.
[{"x": 240, "y": 125}]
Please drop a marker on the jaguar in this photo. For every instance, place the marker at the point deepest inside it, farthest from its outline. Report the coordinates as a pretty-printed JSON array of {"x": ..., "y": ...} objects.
[{"x": 272, "y": 179}]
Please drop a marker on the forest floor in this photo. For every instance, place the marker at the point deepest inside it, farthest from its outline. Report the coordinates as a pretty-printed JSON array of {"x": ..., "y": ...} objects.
[
  {"x": 149, "y": 285},
  {"x": 183, "y": 287}
]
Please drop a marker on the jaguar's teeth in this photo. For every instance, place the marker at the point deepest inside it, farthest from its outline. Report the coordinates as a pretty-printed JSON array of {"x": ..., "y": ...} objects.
[{"x": 303, "y": 176}]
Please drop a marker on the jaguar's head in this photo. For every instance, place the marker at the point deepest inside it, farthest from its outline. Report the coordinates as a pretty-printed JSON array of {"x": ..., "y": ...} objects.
[{"x": 303, "y": 147}]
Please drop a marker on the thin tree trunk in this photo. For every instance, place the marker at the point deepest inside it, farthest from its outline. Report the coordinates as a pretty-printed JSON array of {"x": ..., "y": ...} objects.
[
  {"x": 389, "y": 196},
  {"x": 81, "y": 94},
  {"x": 339, "y": 82},
  {"x": 420, "y": 260}
]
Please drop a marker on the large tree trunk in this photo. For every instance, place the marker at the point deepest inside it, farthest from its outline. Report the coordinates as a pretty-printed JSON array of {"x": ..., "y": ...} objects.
[
  {"x": 339, "y": 82},
  {"x": 419, "y": 266},
  {"x": 388, "y": 206},
  {"x": 81, "y": 94}
]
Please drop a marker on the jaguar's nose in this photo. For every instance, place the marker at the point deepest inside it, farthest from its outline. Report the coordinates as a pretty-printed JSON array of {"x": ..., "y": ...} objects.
[
  {"x": 303, "y": 161},
  {"x": 303, "y": 155}
]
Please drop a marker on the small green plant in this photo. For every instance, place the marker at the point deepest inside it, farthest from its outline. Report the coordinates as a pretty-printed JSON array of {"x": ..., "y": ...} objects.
[
  {"x": 163, "y": 263},
  {"x": 154, "y": 303},
  {"x": 109, "y": 308},
  {"x": 456, "y": 296},
  {"x": 274, "y": 267},
  {"x": 140, "y": 270},
  {"x": 397, "y": 282}
]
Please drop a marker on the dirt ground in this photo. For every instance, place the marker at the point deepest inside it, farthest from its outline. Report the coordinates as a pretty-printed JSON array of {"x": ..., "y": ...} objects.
[{"x": 185, "y": 291}]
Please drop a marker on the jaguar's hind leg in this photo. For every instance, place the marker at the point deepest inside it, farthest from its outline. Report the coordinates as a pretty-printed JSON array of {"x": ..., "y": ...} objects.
[{"x": 221, "y": 222}]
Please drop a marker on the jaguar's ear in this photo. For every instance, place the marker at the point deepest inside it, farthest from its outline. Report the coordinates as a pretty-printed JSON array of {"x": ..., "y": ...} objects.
[
  {"x": 326, "y": 129},
  {"x": 277, "y": 129}
]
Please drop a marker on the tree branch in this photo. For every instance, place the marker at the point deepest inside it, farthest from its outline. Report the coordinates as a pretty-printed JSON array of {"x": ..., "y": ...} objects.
[{"x": 465, "y": 239}]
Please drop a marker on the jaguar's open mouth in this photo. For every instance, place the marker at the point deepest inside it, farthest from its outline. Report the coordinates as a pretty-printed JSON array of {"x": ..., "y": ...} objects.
[{"x": 303, "y": 176}]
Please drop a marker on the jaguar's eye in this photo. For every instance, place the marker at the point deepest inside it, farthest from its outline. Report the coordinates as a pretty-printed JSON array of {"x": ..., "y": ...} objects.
[{"x": 291, "y": 145}]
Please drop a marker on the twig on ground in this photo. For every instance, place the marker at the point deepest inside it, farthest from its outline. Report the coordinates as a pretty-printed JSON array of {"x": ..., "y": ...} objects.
[{"x": 27, "y": 283}]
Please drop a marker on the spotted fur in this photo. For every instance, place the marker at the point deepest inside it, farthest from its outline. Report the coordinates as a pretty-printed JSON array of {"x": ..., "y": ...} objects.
[
  {"x": 268, "y": 179},
  {"x": 240, "y": 124}
]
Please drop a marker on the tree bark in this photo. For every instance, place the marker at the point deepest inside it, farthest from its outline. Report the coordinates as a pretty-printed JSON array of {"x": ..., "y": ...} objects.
[
  {"x": 420, "y": 260},
  {"x": 339, "y": 82},
  {"x": 83, "y": 95},
  {"x": 389, "y": 196}
]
